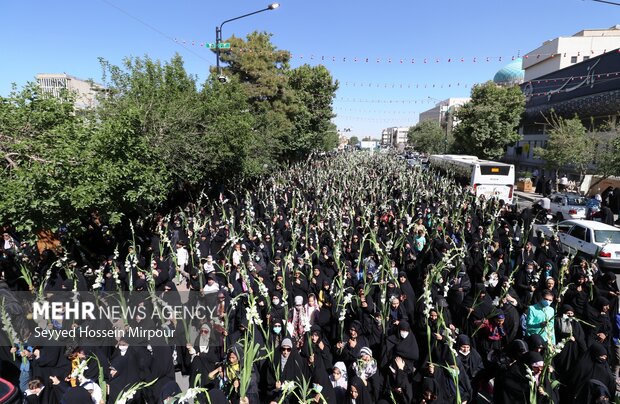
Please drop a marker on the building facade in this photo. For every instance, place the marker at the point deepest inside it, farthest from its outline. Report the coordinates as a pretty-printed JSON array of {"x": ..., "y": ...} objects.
[
  {"x": 440, "y": 111},
  {"x": 85, "y": 91},
  {"x": 394, "y": 137},
  {"x": 589, "y": 89},
  {"x": 562, "y": 52}
]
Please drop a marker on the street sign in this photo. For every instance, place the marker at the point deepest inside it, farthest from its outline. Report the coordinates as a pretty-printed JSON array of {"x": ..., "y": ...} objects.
[{"x": 222, "y": 45}]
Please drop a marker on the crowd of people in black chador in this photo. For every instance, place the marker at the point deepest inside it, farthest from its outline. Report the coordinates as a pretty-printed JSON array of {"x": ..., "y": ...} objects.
[{"x": 360, "y": 279}]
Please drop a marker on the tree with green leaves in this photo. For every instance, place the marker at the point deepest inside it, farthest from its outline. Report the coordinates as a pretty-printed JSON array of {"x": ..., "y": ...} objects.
[
  {"x": 568, "y": 144},
  {"x": 608, "y": 154},
  {"x": 314, "y": 90},
  {"x": 156, "y": 134},
  {"x": 353, "y": 141},
  {"x": 292, "y": 107},
  {"x": 427, "y": 137},
  {"x": 62, "y": 166},
  {"x": 488, "y": 123}
]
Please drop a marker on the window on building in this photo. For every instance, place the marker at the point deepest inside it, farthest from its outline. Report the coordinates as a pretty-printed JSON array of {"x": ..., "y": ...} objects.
[
  {"x": 573, "y": 59},
  {"x": 586, "y": 57}
]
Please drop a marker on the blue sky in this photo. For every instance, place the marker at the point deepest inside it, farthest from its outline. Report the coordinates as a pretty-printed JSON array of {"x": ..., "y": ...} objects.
[{"x": 69, "y": 36}]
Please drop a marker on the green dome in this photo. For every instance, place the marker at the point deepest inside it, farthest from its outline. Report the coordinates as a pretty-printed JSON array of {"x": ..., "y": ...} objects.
[{"x": 512, "y": 73}]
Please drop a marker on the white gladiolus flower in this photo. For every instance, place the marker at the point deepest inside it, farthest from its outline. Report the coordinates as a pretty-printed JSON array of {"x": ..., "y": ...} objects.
[
  {"x": 79, "y": 371},
  {"x": 253, "y": 316},
  {"x": 189, "y": 396},
  {"x": 288, "y": 386}
]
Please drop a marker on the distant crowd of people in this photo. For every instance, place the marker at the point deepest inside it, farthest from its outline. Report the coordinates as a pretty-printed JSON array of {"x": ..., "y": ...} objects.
[{"x": 360, "y": 280}]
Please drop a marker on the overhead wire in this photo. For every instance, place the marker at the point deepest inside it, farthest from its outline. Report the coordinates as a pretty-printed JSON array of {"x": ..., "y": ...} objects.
[{"x": 155, "y": 29}]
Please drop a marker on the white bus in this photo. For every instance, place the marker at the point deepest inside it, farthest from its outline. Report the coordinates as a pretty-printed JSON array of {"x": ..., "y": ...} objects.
[{"x": 489, "y": 178}]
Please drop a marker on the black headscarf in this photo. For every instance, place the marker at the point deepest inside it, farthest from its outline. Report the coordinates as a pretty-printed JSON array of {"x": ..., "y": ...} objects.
[{"x": 591, "y": 366}]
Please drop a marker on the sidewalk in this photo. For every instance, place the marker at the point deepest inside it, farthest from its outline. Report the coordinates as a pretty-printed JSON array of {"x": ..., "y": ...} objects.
[{"x": 527, "y": 196}]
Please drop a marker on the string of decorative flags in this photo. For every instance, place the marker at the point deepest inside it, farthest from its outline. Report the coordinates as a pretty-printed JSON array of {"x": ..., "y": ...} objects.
[
  {"x": 602, "y": 78},
  {"x": 367, "y": 119},
  {"x": 382, "y": 101},
  {"x": 348, "y": 83},
  {"x": 376, "y": 111},
  {"x": 401, "y": 85},
  {"x": 410, "y": 60}
]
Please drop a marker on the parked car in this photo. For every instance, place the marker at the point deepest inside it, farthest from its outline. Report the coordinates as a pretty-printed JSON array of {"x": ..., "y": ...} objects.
[
  {"x": 413, "y": 162},
  {"x": 589, "y": 239},
  {"x": 9, "y": 394},
  {"x": 567, "y": 205}
]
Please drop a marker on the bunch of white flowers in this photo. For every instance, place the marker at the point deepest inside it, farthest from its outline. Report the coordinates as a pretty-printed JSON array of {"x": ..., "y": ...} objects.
[
  {"x": 117, "y": 280},
  {"x": 99, "y": 278},
  {"x": 557, "y": 348},
  {"x": 78, "y": 373},
  {"x": 428, "y": 301},
  {"x": 451, "y": 342},
  {"x": 131, "y": 261},
  {"x": 127, "y": 396},
  {"x": 590, "y": 273},
  {"x": 346, "y": 301},
  {"x": 263, "y": 290},
  {"x": 252, "y": 315},
  {"x": 288, "y": 386},
  {"x": 532, "y": 382},
  {"x": 189, "y": 396},
  {"x": 306, "y": 322}
]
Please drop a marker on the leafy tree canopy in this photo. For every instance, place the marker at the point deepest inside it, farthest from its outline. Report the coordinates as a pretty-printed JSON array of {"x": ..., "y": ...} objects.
[
  {"x": 568, "y": 144},
  {"x": 157, "y": 133},
  {"x": 488, "y": 123},
  {"x": 609, "y": 153},
  {"x": 427, "y": 137}
]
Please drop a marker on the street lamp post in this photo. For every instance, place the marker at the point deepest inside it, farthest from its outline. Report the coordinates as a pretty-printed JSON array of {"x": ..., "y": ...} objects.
[{"x": 218, "y": 33}]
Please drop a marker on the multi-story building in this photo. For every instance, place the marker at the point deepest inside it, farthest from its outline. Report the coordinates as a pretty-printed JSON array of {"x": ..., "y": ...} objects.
[
  {"x": 85, "y": 91},
  {"x": 589, "y": 89},
  {"x": 395, "y": 136},
  {"x": 563, "y": 52},
  {"x": 439, "y": 113}
]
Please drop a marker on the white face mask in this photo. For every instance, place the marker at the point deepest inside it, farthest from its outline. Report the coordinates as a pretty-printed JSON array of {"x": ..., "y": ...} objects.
[
  {"x": 277, "y": 330},
  {"x": 123, "y": 348},
  {"x": 404, "y": 334},
  {"x": 493, "y": 282},
  {"x": 276, "y": 302},
  {"x": 464, "y": 353}
]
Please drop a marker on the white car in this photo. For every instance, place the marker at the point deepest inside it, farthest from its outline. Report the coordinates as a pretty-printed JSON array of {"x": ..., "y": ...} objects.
[
  {"x": 567, "y": 206},
  {"x": 589, "y": 239}
]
